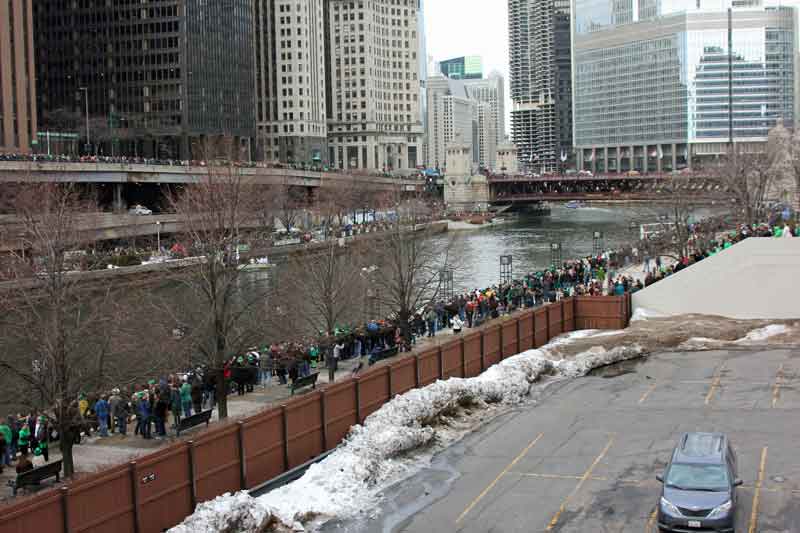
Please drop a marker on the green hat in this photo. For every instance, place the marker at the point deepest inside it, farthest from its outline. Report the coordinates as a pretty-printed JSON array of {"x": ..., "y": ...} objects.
[
  {"x": 240, "y": 359},
  {"x": 151, "y": 382}
]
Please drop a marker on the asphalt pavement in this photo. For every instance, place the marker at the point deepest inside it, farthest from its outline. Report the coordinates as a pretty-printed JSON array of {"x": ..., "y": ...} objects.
[{"x": 585, "y": 456}]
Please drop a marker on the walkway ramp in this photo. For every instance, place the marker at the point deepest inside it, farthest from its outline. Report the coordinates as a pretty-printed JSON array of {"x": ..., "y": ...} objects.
[{"x": 758, "y": 278}]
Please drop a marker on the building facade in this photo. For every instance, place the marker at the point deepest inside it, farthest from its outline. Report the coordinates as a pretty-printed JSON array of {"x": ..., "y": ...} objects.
[
  {"x": 161, "y": 78},
  {"x": 290, "y": 81},
  {"x": 462, "y": 68},
  {"x": 658, "y": 86},
  {"x": 541, "y": 84},
  {"x": 452, "y": 117},
  {"x": 17, "y": 77},
  {"x": 374, "y": 83},
  {"x": 486, "y": 123},
  {"x": 491, "y": 91}
]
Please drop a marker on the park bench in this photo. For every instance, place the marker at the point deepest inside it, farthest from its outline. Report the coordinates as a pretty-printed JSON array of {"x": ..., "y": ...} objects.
[
  {"x": 195, "y": 420},
  {"x": 385, "y": 354},
  {"x": 36, "y": 476},
  {"x": 305, "y": 381}
]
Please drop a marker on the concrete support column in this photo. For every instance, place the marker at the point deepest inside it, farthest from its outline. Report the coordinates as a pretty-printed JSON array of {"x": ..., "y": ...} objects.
[
  {"x": 118, "y": 205},
  {"x": 674, "y": 156},
  {"x": 580, "y": 158},
  {"x": 605, "y": 160},
  {"x": 659, "y": 165},
  {"x": 689, "y": 156}
]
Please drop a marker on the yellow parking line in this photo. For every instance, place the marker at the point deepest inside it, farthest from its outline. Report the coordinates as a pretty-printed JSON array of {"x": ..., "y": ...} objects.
[
  {"x": 586, "y": 475},
  {"x": 757, "y": 495},
  {"x": 551, "y": 476},
  {"x": 650, "y": 389},
  {"x": 777, "y": 390},
  {"x": 715, "y": 384},
  {"x": 652, "y": 521},
  {"x": 499, "y": 476}
]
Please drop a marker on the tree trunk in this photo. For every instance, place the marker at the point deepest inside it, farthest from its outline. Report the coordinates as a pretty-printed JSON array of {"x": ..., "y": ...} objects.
[
  {"x": 66, "y": 442},
  {"x": 222, "y": 394}
]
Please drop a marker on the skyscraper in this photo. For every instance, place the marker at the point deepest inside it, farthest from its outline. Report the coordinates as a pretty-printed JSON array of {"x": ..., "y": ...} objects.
[
  {"x": 17, "y": 80},
  {"x": 290, "y": 80},
  {"x": 486, "y": 122},
  {"x": 492, "y": 91},
  {"x": 160, "y": 77},
  {"x": 662, "y": 88},
  {"x": 541, "y": 83},
  {"x": 462, "y": 68},
  {"x": 374, "y": 118},
  {"x": 452, "y": 116}
]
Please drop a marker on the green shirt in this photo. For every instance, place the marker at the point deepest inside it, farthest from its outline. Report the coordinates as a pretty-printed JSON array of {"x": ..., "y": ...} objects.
[{"x": 6, "y": 432}]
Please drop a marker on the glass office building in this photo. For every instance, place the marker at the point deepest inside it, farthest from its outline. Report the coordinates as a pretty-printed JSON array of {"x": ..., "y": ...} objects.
[
  {"x": 160, "y": 78},
  {"x": 652, "y": 79},
  {"x": 463, "y": 68}
]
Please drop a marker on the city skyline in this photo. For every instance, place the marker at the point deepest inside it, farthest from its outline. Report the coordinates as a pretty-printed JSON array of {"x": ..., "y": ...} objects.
[{"x": 452, "y": 32}]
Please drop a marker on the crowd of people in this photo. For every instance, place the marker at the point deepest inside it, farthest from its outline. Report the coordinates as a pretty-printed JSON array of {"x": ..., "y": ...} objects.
[{"x": 156, "y": 407}]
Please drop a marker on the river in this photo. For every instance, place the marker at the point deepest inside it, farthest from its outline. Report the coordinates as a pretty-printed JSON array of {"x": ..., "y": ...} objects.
[{"x": 528, "y": 239}]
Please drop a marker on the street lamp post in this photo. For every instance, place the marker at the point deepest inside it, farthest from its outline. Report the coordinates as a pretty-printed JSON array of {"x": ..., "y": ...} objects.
[
  {"x": 158, "y": 236},
  {"x": 86, "y": 101}
]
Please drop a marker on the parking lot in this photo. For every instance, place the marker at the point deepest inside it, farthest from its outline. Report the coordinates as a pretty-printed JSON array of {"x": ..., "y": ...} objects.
[{"x": 584, "y": 459}]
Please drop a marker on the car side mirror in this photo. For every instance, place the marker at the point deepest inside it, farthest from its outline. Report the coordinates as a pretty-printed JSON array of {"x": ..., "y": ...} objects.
[
  {"x": 738, "y": 483},
  {"x": 660, "y": 478}
]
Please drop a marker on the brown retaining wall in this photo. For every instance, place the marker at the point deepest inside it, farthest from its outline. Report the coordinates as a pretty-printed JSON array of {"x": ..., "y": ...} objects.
[{"x": 158, "y": 491}]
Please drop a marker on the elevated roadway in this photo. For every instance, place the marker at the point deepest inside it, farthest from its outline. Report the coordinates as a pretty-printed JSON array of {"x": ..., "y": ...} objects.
[{"x": 111, "y": 173}]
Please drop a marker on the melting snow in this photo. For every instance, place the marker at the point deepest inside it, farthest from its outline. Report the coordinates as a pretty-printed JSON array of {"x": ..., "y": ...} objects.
[
  {"x": 764, "y": 333},
  {"x": 347, "y": 483},
  {"x": 644, "y": 314}
]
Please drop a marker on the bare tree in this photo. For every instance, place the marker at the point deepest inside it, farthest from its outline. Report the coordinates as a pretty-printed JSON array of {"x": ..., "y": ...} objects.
[
  {"x": 227, "y": 305},
  {"x": 288, "y": 204},
  {"x": 58, "y": 334},
  {"x": 410, "y": 259},
  {"x": 748, "y": 175}
]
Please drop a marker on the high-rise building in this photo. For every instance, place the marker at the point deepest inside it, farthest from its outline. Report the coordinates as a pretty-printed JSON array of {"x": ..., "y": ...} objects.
[
  {"x": 160, "y": 78},
  {"x": 452, "y": 117},
  {"x": 462, "y": 68},
  {"x": 17, "y": 78},
  {"x": 541, "y": 84},
  {"x": 290, "y": 81},
  {"x": 374, "y": 82},
  {"x": 492, "y": 91},
  {"x": 486, "y": 122},
  {"x": 662, "y": 86}
]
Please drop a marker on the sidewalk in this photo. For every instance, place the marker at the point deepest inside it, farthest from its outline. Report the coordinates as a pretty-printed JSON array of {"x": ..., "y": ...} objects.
[{"x": 95, "y": 453}]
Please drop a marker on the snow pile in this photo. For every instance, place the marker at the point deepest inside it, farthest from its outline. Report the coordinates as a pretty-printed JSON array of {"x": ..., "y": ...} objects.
[
  {"x": 229, "y": 513},
  {"x": 761, "y": 334},
  {"x": 697, "y": 344},
  {"x": 347, "y": 483},
  {"x": 644, "y": 314}
]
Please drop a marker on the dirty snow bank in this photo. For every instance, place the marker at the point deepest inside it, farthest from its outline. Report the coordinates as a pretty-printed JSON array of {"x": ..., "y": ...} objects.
[
  {"x": 347, "y": 483},
  {"x": 644, "y": 314},
  {"x": 755, "y": 336},
  {"x": 761, "y": 334}
]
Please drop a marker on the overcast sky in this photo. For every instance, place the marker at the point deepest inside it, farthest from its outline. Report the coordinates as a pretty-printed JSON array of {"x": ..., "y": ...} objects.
[{"x": 456, "y": 28}]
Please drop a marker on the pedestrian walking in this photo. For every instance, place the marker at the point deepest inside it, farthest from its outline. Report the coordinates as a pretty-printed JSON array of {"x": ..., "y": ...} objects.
[
  {"x": 186, "y": 399},
  {"x": 101, "y": 410}
]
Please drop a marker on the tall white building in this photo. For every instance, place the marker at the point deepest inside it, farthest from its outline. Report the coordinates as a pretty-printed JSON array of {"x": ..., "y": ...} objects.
[
  {"x": 452, "y": 117},
  {"x": 492, "y": 91},
  {"x": 290, "y": 80},
  {"x": 374, "y": 117},
  {"x": 486, "y": 122}
]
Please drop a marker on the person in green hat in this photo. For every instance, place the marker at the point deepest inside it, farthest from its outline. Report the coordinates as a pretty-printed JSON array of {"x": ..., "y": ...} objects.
[{"x": 8, "y": 437}]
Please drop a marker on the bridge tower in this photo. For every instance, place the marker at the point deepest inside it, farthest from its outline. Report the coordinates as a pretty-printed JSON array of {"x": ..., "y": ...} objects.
[{"x": 464, "y": 189}]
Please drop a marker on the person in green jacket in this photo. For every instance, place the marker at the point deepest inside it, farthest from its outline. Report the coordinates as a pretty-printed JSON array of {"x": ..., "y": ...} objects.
[
  {"x": 186, "y": 399},
  {"x": 8, "y": 437},
  {"x": 24, "y": 439}
]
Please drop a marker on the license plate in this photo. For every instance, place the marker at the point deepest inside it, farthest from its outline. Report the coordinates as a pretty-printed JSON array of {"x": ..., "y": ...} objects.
[{"x": 695, "y": 523}]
